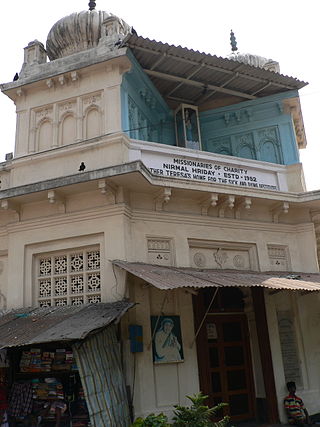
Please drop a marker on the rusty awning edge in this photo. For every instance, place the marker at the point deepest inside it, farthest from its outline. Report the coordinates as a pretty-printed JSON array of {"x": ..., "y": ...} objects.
[
  {"x": 164, "y": 277},
  {"x": 31, "y": 326}
]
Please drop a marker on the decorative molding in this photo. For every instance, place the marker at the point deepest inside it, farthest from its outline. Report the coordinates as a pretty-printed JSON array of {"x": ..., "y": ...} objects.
[
  {"x": 162, "y": 198},
  {"x": 237, "y": 115},
  {"x": 292, "y": 106},
  {"x": 55, "y": 198},
  {"x": 221, "y": 145},
  {"x": 156, "y": 244},
  {"x": 279, "y": 258},
  {"x": 92, "y": 99},
  {"x": 226, "y": 202},
  {"x": 50, "y": 83},
  {"x": 67, "y": 107},
  {"x": 107, "y": 189},
  {"x": 239, "y": 261},
  {"x": 62, "y": 80},
  {"x": 207, "y": 202},
  {"x": 113, "y": 31},
  {"x": 268, "y": 134},
  {"x": 9, "y": 205},
  {"x": 243, "y": 203},
  {"x": 199, "y": 259},
  {"x": 220, "y": 257},
  {"x": 44, "y": 113},
  {"x": 74, "y": 76},
  {"x": 98, "y": 212},
  {"x": 280, "y": 107},
  {"x": 223, "y": 255},
  {"x": 278, "y": 210},
  {"x": 300, "y": 132},
  {"x": 249, "y": 114},
  {"x": 244, "y": 141},
  {"x": 159, "y": 251}
]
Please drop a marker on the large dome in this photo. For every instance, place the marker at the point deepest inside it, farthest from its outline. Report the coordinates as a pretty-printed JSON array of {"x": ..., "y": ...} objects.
[{"x": 78, "y": 32}]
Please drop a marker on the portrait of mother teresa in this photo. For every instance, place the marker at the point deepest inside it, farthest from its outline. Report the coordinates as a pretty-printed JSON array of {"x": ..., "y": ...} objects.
[{"x": 166, "y": 345}]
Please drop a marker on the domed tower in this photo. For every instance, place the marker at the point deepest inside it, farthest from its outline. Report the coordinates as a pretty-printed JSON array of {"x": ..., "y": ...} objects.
[
  {"x": 75, "y": 96},
  {"x": 250, "y": 59},
  {"x": 84, "y": 30}
]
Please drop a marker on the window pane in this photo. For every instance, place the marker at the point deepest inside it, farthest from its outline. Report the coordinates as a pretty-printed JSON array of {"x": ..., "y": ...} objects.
[
  {"x": 232, "y": 331},
  {"x": 233, "y": 356},
  {"x": 214, "y": 357},
  {"x": 236, "y": 380},
  {"x": 216, "y": 383}
]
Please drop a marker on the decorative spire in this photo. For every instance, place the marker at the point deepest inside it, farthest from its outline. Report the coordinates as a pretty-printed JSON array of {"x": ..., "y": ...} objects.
[
  {"x": 92, "y": 5},
  {"x": 233, "y": 42}
]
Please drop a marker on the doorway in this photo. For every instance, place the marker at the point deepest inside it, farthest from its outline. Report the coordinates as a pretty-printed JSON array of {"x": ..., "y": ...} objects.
[{"x": 223, "y": 349}]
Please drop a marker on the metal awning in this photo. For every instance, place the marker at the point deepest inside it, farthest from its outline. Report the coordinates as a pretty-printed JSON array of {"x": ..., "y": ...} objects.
[
  {"x": 182, "y": 277},
  {"x": 27, "y": 326},
  {"x": 185, "y": 75}
]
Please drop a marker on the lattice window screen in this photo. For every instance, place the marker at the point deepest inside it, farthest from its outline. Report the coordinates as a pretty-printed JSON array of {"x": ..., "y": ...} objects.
[{"x": 69, "y": 278}]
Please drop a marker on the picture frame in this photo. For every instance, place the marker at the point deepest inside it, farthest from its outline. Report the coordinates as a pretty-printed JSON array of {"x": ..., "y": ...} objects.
[{"x": 166, "y": 339}]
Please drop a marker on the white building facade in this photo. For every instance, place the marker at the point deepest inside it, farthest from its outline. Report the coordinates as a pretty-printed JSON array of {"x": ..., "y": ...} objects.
[{"x": 171, "y": 178}]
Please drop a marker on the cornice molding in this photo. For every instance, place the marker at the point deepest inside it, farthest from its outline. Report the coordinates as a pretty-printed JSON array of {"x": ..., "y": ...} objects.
[
  {"x": 208, "y": 221},
  {"x": 70, "y": 218},
  {"x": 158, "y": 182}
]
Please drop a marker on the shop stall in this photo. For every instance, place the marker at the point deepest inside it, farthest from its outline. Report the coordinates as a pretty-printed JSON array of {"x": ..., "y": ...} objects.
[{"x": 60, "y": 366}]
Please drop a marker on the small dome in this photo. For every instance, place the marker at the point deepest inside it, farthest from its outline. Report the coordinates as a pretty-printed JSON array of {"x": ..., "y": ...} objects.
[
  {"x": 256, "y": 61},
  {"x": 78, "y": 32}
]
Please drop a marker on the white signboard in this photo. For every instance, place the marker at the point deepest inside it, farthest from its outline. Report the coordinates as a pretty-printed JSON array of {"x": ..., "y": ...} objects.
[{"x": 208, "y": 171}]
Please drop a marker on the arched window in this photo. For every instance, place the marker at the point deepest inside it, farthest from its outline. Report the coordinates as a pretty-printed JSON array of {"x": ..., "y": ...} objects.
[
  {"x": 92, "y": 123},
  {"x": 45, "y": 135},
  {"x": 68, "y": 130},
  {"x": 246, "y": 152},
  {"x": 269, "y": 152}
]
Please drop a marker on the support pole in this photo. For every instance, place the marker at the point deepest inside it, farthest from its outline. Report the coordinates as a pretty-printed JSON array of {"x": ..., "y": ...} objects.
[{"x": 265, "y": 354}]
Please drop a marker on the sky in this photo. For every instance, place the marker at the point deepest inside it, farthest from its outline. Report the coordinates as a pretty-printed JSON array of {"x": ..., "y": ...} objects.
[{"x": 283, "y": 30}]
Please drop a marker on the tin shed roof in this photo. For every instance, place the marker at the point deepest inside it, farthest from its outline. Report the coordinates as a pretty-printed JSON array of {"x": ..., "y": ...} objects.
[
  {"x": 173, "y": 277},
  {"x": 27, "y": 326},
  {"x": 186, "y": 75}
]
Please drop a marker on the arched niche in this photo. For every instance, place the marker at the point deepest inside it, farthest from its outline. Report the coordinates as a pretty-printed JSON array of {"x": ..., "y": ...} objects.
[
  {"x": 269, "y": 152},
  {"x": 68, "y": 129},
  {"x": 247, "y": 152},
  {"x": 44, "y": 135},
  {"x": 223, "y": 150},
  {"x": 92, "y": 122}
]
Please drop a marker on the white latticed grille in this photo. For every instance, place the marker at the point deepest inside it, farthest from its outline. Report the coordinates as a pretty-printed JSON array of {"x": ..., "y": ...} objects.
[{"x": 71, "y": 278}]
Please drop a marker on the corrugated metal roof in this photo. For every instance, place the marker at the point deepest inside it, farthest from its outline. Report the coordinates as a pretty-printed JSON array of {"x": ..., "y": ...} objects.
[
  {"x": 161, "y": 60},
  {"x": 27, "y": 326},
  {"x": 173, "y": 277}
]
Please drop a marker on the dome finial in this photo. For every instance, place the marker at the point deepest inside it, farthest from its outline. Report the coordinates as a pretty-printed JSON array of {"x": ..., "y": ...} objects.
[
  {"x": 233, "y": 42},
  {"x": 92, "y": 5}
]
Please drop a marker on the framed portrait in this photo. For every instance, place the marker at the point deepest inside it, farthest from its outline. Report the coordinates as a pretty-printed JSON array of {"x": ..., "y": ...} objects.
[{"x": 166, "y": 339}]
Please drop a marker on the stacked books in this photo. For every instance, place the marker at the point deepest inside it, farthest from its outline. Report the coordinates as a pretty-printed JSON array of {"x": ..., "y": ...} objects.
[
  {"x": 49, "y": 389},
  {"x": 36, "y": 360}
]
